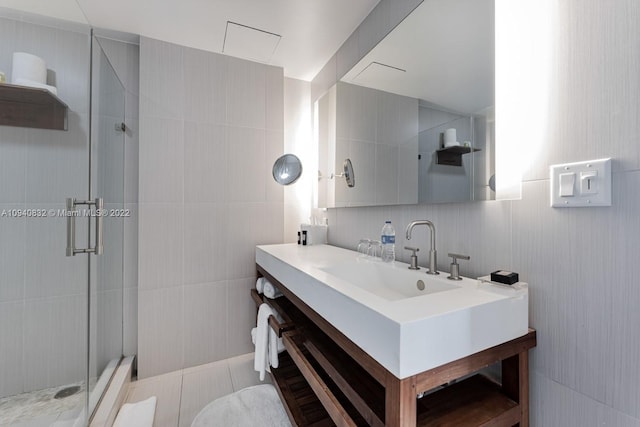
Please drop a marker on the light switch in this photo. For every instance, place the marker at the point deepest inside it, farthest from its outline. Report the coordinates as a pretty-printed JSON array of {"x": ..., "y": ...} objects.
[
  {"x": 589, "y": 182},
  {"x": 567, "y": 182},
  {"x": 581, "y": 184}
]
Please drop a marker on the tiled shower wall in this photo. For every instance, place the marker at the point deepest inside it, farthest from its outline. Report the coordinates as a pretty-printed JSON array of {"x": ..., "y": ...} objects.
[
  {"x": 580, "y": 263},
  {"x": 211, "y": 126},
  {"x": 43, "y": 294}
]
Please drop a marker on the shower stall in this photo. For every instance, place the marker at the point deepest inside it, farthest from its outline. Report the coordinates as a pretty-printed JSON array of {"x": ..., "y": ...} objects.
[{"x": 62, "y": 222}]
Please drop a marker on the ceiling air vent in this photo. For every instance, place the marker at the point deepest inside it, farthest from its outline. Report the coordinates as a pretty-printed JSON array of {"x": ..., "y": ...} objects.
[
  {"x": 377, "y": 72},
  {"x": 249, "y": 43}
]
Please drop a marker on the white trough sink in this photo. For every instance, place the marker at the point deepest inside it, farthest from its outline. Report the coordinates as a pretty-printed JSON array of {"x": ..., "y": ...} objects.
[
  {"x": 388, "y": 281},
  {"x": 380, "y": 307}
]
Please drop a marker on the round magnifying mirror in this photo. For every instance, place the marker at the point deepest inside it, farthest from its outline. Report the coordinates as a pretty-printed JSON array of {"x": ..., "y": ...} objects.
[
  {"x": 492, "y": 183},
  {"x": 287, "y": 169},
  {"x": 349, "y": 175}
]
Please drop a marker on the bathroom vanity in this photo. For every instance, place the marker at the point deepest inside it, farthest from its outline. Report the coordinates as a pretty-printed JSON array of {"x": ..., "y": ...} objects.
[{"x": 376, "y": 344}]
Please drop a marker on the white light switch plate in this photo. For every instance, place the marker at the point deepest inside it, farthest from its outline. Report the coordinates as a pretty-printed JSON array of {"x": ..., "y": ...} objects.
[{"x": 591, "y": 185}]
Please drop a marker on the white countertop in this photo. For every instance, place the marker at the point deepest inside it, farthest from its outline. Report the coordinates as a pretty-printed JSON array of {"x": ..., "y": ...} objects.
[{"x": 409, "y": 335}]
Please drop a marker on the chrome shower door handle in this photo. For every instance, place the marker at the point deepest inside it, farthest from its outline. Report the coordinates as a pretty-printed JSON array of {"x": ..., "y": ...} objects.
[
  {"x": 71, "y": 227},
  {"x": 99, "y": 248},
  {"x": 71, "y": 213}
]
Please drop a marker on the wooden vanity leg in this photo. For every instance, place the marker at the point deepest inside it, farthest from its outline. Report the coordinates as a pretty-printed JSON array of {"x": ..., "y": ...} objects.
[
  {"x": 401, "y": 403},
  {"x": 515, "y": 383}
]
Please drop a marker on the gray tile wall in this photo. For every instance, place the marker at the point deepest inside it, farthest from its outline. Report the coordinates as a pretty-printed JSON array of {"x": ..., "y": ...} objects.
[
  {"x": 580, "y": 263},
  {"x": 378, "y": 132},
  {"x": 211, "y": 126},
  {"x": 443, "y": 183},
  {"x": 43, "y": 294}
]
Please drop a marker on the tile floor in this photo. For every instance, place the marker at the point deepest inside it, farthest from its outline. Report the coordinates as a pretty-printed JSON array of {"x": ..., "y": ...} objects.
[{"x": 182, "y": 394}]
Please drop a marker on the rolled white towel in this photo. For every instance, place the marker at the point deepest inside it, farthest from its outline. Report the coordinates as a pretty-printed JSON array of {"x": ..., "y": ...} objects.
[
  {"x": 271, "y": 291},
  {"x": 260, "y": 284}
]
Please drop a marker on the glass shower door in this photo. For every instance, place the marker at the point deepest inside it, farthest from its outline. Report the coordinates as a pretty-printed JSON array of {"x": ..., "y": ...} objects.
[
  {"x": 60, "y": 314},
  {"x": 43, "y": 293},
  {"x": 107, "y": 182}
]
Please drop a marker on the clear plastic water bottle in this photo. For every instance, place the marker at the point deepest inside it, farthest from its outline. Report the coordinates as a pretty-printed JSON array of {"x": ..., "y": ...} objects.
[{"x": 388, "y": 240}]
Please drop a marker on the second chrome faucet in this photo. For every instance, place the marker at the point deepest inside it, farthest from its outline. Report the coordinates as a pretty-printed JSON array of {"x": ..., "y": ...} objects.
[{"x": 433, "y": 262}]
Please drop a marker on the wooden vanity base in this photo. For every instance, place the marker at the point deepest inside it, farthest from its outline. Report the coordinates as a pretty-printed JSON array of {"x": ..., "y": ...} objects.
[{"x": 324, "y": 379}]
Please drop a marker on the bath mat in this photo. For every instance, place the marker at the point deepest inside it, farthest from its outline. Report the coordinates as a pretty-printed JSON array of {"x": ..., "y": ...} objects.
[{"x": 259, "y": 405}]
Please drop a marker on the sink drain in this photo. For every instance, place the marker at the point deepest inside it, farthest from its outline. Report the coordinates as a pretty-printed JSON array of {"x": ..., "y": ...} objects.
[
  {"x": 67, "y": 391},
  {"x": 420, "y": 285}
]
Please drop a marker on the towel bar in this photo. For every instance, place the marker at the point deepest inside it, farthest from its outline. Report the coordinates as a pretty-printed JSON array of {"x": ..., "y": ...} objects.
[
  {"x": 257, "y": 298},
  {"x": 280, "y": 328}
]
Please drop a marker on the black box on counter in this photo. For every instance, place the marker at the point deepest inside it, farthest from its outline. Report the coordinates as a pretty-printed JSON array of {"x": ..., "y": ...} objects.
[{"x": 505, "y": 277}]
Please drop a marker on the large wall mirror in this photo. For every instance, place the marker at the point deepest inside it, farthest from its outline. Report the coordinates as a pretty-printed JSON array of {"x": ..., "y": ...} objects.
[{"x": 416, "y": 115}]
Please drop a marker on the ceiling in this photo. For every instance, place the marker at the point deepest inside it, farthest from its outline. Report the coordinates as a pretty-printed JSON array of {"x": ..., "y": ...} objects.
[{"x": 311, "y": 30}]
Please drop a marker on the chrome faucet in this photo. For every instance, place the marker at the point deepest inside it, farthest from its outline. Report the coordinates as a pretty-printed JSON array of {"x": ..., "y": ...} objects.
[{"x": 433, "y": 267}]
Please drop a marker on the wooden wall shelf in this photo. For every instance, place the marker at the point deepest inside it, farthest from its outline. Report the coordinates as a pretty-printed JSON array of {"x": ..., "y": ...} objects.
[
  {"x": 452, "y": 156},
  {"x": 324, "y": 379},
  {"x": 31, "y": 107}
]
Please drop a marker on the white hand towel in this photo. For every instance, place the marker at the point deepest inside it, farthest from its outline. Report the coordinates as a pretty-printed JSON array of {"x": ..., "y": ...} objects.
[
  {"x": 260, "y": 363},
  {"x": 137, "y": 414},
  {"x": 254, "y": 332},
  {"x": 260, "y": 284},
  {"x": 271, "y": 291},
  {"x": 266, "y": 353}
]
